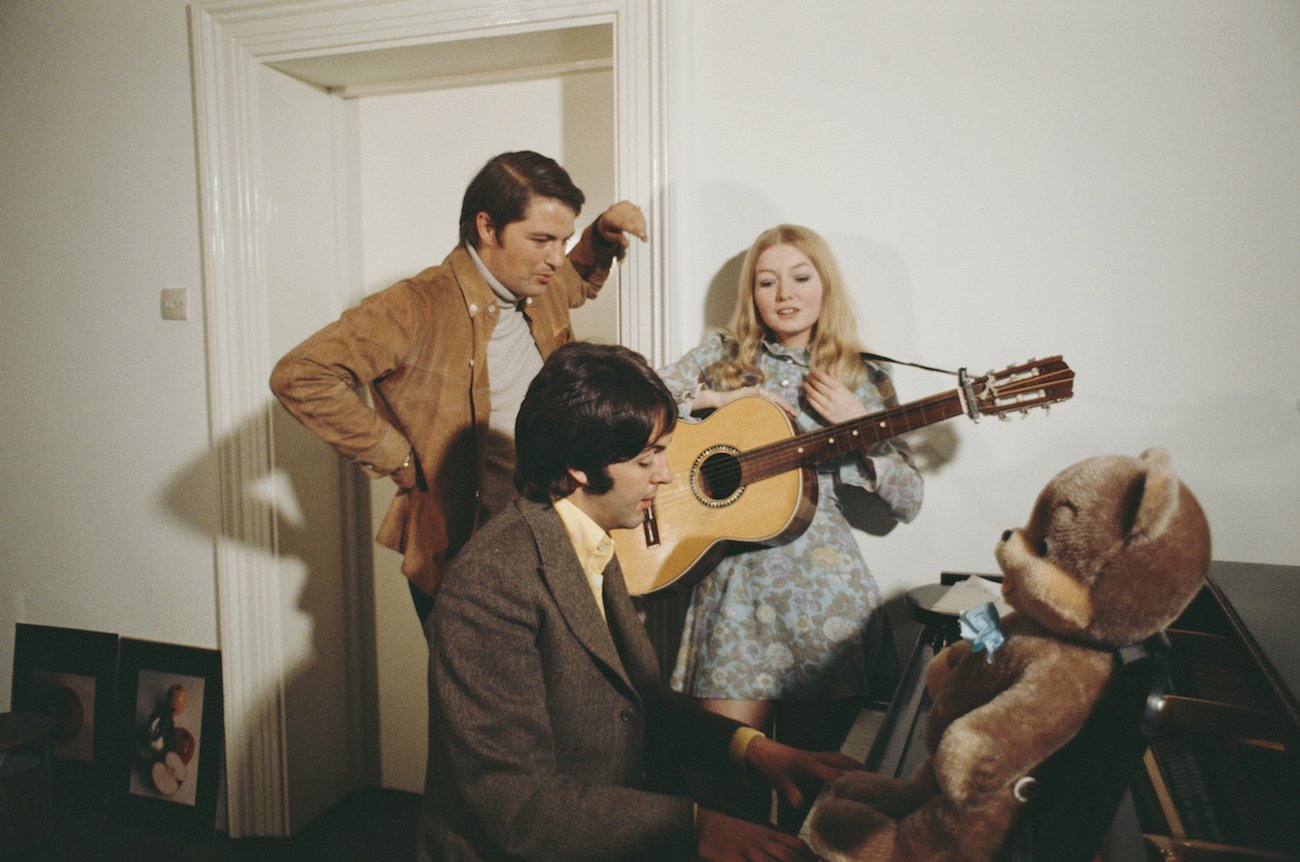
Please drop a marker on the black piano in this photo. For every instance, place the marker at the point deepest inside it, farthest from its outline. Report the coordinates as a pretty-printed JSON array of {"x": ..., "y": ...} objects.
[{"x": 1193, "y": 755}]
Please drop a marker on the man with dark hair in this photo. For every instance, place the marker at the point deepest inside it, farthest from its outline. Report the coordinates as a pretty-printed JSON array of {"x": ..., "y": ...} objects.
[
  {"x": 507, "y": 184},
  {"x": 556, "y": 739},
  {"x": 589, "y": 407},
  {"x": 449, "y": 353}
]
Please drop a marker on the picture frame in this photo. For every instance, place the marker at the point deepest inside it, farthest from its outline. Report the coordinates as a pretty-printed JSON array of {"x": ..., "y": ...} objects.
[
  {"x": 71, "y": 673},
  {"x": 172, "y": 742}
]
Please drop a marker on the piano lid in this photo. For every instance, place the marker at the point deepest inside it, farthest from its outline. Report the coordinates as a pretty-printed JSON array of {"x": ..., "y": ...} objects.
[{"x": 1265, "y": 601}]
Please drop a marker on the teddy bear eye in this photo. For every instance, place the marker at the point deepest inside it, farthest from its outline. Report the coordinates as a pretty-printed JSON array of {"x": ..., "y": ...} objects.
[{"x": 1041, "y": 547}]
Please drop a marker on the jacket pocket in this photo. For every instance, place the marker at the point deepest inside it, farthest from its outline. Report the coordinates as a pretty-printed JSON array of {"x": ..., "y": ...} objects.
[{"x": 393, "y": 529}]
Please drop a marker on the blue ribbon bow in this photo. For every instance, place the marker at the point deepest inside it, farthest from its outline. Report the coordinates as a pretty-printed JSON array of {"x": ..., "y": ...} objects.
[{"x": 979, "y": 625}]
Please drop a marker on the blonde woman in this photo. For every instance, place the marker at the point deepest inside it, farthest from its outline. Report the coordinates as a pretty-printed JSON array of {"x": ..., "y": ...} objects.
[{"x": 774, "y": 637}]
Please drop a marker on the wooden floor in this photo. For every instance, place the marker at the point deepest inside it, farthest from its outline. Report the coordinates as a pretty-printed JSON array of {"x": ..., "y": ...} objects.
[{"x": 371, "y": 825}]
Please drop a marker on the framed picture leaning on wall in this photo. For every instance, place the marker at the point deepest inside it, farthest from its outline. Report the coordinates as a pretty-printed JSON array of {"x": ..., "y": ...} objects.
[
  {"x": 170, "y": 715},
  {"x": 72, "y": 675}
]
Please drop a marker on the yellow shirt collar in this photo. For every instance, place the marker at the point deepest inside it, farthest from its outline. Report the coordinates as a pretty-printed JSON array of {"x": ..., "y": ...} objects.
[{"x": 593, "y": 545}]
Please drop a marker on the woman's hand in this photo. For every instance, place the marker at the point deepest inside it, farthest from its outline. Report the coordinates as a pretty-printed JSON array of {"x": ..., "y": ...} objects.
[
  {"x": 710, "y": 399},
  {"x": 830, "y": 398}
]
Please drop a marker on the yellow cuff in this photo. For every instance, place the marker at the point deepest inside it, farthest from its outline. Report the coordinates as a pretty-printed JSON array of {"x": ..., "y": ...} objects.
[{"x": 740, "y": 741}]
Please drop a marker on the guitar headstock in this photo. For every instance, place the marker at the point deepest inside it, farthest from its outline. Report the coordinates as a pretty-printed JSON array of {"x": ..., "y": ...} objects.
[{"x": 1037, "y": 383}]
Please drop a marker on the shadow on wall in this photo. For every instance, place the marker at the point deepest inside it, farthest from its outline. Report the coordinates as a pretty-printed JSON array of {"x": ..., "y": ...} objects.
[
  {"x": 305, "y": 495},
  {"x": 720, "y": 298}
]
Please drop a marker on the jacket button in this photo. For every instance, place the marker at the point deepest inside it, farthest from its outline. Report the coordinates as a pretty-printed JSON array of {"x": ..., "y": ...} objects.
[{"x": 625, "y": 716}]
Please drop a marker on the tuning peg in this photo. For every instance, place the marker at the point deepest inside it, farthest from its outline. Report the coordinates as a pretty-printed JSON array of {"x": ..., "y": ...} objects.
[{"x": 1002, "y": 417}]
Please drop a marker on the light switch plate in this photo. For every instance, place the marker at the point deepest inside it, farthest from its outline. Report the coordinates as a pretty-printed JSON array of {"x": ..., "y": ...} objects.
[{"x": 175, "y": 303}]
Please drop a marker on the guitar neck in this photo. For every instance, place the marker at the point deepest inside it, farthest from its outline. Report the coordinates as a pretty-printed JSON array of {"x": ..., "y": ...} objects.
[{"x": 855, "y": 435}]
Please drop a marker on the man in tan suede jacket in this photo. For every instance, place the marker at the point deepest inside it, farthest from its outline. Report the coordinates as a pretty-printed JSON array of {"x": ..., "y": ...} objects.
[{"x": 448, "y": 354}]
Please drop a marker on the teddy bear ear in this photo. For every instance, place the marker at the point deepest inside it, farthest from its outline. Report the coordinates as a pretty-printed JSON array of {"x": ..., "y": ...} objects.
[{"x": 1160, "y": 496}]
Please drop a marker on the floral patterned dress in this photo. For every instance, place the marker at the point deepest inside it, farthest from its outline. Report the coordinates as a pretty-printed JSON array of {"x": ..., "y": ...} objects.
[{"x": 788, "y": 622}]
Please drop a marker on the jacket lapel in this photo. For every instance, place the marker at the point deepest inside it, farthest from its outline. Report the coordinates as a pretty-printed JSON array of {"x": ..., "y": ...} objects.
[
  {"x": 639, "y": 659},
  {"x": 568, "y": 585}
]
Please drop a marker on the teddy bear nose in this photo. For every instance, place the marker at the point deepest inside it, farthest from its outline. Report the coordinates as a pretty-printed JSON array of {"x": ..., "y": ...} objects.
[{"x": 1006, "y": 535}]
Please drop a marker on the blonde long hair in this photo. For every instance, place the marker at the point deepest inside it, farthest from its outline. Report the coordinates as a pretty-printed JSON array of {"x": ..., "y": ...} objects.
[{"x": 834, "y": 347}]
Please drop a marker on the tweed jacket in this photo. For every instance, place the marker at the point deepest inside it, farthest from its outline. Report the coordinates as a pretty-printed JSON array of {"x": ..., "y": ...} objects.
[
  {"x": 544, "y": 717},
  {"x": 421, "y": 347}
]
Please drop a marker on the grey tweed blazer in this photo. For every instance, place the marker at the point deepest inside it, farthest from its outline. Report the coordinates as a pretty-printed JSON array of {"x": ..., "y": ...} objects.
[{"x": 548, "y": 725}]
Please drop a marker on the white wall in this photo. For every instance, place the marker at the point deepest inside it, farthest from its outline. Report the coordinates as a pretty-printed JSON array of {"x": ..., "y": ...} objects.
[
  {"x": 109, "y": 489},
  {"x": 1112, "y": 181}
]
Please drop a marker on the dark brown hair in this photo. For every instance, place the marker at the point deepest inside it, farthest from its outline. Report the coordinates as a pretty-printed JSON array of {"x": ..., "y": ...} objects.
[
  {"x": 590, "y": 406},
  {"x": 505, "y": 186}
]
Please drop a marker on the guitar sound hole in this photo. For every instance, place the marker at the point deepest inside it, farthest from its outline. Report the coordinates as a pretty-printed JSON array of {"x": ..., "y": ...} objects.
[{"x": 717, "y": 478}]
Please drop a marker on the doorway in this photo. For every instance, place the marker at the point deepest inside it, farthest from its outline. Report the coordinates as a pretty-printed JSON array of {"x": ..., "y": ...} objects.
[
  {"x": 323, "y": 205},
  {"x": 424, "y": 121}
]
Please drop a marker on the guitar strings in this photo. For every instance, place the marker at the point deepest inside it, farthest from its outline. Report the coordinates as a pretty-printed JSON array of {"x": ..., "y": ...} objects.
[
  {"x": 853, "y": 434},
  {"x": 729, "y": 469},
  {"x": 904, "y": 414}
]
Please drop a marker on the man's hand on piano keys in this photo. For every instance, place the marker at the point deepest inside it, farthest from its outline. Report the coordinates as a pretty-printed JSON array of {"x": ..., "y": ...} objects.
[
  {"x": 781, "y": 766},
  {"x": 719, "y": 838}
]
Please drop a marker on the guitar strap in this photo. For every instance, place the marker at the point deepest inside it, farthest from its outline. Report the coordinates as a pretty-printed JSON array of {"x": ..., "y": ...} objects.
[
  {"x": 876, "y": 357},
  {"x": 963, "y": 382}
]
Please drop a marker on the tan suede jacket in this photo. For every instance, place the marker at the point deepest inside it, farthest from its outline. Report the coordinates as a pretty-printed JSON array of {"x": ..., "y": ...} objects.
[{"x": 421, "y": 346}]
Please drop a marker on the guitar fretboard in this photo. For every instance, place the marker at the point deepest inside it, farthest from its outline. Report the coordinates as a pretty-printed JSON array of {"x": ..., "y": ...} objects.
[{"x": 855, "y": 435}]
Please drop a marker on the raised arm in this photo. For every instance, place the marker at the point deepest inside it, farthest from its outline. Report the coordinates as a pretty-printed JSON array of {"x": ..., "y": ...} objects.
[{"x": 604, "y": 241}]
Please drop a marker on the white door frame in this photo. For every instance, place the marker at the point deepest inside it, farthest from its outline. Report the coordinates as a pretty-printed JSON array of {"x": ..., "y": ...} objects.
[{"x": 230, "y": 39}]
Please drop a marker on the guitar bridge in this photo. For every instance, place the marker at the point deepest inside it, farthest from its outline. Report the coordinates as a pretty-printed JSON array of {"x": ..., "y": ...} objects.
[{"x": 650, "y": 525}]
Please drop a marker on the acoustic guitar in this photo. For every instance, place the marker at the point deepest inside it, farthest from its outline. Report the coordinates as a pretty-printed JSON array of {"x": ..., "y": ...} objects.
[{"x": 743, "y": 475}]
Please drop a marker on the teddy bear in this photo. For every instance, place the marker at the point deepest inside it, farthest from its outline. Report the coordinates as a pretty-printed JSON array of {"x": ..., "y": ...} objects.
[{"x": 1114, "y": 549}]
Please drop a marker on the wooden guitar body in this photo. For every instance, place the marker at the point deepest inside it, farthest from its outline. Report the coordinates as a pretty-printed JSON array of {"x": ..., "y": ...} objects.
[
  {"x": 703, "y": 512},
  {"x": 744, "y": 476}
]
